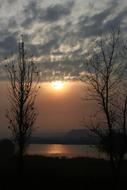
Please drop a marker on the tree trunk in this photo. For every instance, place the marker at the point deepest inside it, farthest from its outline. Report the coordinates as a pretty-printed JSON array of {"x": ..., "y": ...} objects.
[{"x": 20, "y": 160}]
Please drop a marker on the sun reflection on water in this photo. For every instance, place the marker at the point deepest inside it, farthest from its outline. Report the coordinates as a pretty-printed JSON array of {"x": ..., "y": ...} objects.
[
  {"x": 56, "y": 149},
  {"x": 69, "y": 151}
]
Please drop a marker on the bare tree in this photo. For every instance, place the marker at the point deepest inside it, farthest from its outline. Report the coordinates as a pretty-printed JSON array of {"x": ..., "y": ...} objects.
[
  {"x": 105, "y": 76},
  {"x": 23, "y": 87}
]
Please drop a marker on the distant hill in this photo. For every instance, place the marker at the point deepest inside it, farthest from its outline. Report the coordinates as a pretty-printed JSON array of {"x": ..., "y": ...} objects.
[
  {"x": 82, "y": 136},
  {"x": 79, "y": 133},
  {"x": 76, "y": 136}
]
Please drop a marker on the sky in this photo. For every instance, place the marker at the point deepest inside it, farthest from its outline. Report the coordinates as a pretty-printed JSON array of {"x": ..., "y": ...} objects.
[
  {"x": 59, "y": 109},
  {"x": 58, "y": 34}
]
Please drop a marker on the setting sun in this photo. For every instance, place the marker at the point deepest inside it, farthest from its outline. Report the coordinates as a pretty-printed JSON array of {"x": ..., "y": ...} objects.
[{"x": 57, "y": 85}]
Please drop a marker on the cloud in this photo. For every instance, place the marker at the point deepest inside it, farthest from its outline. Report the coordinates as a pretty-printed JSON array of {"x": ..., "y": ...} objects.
[
  {"x": 8, "y": 45},
  {"x": 92, "y": 26},
  {"x": 55, "y": 33},
  {"x": 55, "y": 12},
  {"x": 33, "y": 12},
  {"x": 12, "y": 1},
  {"x": 61, "y": 70},
  {"x": 117, "y": 20}
]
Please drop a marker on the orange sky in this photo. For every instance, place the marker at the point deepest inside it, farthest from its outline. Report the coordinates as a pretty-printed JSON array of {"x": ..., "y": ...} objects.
[{"x": 59, "y": 109}]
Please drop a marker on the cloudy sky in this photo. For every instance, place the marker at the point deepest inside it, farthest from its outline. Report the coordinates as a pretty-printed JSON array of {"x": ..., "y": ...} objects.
[{"x": 57, "y": 32}]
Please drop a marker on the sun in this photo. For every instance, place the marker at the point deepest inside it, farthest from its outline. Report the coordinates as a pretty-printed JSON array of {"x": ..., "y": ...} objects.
[{"x": 57, "y": 85}]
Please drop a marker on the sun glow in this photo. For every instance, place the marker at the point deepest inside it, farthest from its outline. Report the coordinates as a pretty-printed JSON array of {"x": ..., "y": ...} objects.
[{"x": 57, "y": 85}]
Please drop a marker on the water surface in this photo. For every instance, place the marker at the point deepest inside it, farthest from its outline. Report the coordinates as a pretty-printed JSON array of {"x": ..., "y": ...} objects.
[{"x": 69, "y": 151}]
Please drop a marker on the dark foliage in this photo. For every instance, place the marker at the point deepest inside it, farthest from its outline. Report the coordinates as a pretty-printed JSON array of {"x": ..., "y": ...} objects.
[{"x": 61, "y": 173}]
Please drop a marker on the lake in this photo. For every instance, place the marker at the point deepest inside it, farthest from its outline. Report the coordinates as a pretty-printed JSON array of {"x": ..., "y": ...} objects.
[{"x": 69, "y": 151}]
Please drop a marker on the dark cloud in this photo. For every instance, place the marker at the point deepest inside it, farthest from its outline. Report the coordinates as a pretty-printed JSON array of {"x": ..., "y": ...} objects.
[
  {"x": 53, "y": 41},
  {"x": 55, "y": 12},
  {"x": 117, "y": 20},
  {"x": 8, "y": 45},
  {"x": 92, "y": 26},
  {"x": 12, "y": 23},
  {"x": 66, "y": 69},
  {"x": 33, "y": 12},
  {"x": 56, "y": 34},
  {"x": 46, "y": 48}
]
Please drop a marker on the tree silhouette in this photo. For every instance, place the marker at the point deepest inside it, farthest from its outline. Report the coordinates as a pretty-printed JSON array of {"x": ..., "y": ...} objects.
[
  {"x": 23, "y": 86},
  {"x": 105, "y": 75}
]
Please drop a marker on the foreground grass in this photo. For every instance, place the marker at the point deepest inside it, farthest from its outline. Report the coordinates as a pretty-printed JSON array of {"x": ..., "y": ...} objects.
[{"x": 60, "y": 173}]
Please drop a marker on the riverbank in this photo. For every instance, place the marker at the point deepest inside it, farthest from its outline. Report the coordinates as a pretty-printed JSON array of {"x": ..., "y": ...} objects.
[{"x": 60, "y": 173}]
